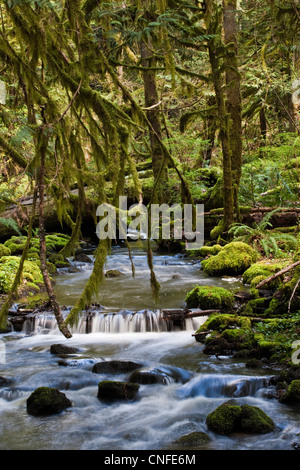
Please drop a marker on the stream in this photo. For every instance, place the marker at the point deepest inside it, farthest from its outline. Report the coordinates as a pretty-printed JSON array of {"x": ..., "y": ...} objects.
[{"x": 126, "y": 326}]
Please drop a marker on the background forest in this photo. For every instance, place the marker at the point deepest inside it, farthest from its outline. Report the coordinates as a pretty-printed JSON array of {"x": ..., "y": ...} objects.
[{"x": 161, "y": 101}]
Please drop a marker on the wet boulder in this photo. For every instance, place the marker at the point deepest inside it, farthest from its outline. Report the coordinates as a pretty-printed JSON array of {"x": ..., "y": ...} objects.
[
  {"x": 292, "y": 394},
  {"x": 115, "y": 367},
  {"x": 193, "y": 439},
  {"x": 47, "y": 401},
  {"x": 109, "y": 390},
  {"x": 111, "y": 273},
  {"x": 60, "y": 349},
  {"x": 230, "y": 417},
  {"x": 83, "y": 258}
]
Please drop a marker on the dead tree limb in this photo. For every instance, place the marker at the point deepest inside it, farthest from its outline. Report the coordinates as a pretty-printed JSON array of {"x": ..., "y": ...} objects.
[{"x": 279, "y": 273}]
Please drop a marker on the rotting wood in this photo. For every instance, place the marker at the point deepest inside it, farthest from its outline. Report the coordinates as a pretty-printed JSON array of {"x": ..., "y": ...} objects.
[{"x": 186, "y": 313}]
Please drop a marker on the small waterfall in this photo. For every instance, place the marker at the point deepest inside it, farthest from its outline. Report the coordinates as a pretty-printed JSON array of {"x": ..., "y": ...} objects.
[
  {"x": 217, "y": 385},
  {"x": 113, "y": 322}
]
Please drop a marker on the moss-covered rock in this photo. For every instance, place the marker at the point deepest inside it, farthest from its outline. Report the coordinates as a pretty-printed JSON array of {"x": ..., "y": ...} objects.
[
  {"x": 260, "y": 271},
  {"x": 109, "y": 390},
  {"x": 210, "y": 297},
  {"x": 205, "y": 251},
  {"x": 113, "y": 273},
  {"x": 234, "y": 259},
  {"x": 4, "y": 250},
  {"x": 230, "y": 417},
  {"x": 193, "y": 439},
  {"x": 47, "y": 401},
  {"x": 225, "y": 418},
  {"x": 58, "y": 260},
  {"x": 253, "y": 420},
  {"x": 32, "y": 278},
  {"x": 292, "y": 395}
]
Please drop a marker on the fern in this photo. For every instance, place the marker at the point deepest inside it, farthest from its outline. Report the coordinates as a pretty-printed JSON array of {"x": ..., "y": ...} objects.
[{"x": 10, "y": 223}]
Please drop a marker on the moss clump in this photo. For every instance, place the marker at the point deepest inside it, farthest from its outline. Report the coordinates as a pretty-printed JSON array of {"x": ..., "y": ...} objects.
[
  {"x": 54, "y": 243},
  {"x": 205, "y": 251},
  {"x": 230, "y": 417},
  {"x": 224, "y": 419},
  {"x": 31, "y": 279},
  {"x": 4, "y": 250},
  {"x": 194, "y": 439},
  {"x": 47, "y": 401},
  {"x": 253, "y": 420},
  {"x": 222, "y": 322},
  {"x": 210, "y": 297},
  {"x": 260, "y": 271},
  {"x": 58, "y": 260},
  {"x": 292, "y": 395},
  {"x": 234, "y": 259}
]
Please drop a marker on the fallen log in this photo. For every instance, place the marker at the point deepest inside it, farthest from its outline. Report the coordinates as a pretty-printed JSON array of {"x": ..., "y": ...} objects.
[
  {"x": 186, "y": 313},
  {"x": 279, "y": 273}
]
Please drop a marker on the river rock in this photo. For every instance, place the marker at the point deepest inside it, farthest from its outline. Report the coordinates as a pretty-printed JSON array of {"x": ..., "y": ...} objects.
[
  {"x": 230, "y": 417},
  {"x": 194, "y": 439},
  {"x": 82, "y": 257},
  {"x": 292, "y": 394},
  {"x": 153, "y": 376},
  {"x": 113, "y": 273},
  {"x": 115, "y": 367},
  {"x": 47, "y": 401},
  {"x": 63, "y": 349},
  {"x": 109, "y": 390}
]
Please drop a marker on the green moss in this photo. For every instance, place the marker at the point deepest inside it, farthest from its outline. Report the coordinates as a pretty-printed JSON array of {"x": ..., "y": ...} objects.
[
  {"x": 193, "y": 439},
  {"x": 46, "y": 401},
  {"x": 204, "y": 251},
  {"x": 222, "y": 322},
  {"x": 260, "y": 271},
  {"x": 31, "y": 277},
  {"x": 58, "y": 260},
  {"x": 234, "y": 259},
  {"x": 253, "y": 420},
  {"x": 230, "y": 417},
  {"x": 210, "y": 297},
  {"x": 224, "y": 419},
  {"x": 292, "y": 395},
  {"x": 4, "y": 250}
]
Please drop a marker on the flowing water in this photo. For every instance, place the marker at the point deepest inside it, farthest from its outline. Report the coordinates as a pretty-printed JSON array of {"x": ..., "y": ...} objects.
[{"x": 127, "y": 326}]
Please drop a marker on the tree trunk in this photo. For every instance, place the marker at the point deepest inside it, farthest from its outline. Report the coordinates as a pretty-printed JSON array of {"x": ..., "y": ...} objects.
[
  {"x": 233, "y": 96},
  {"x": 159, "y": 166},
  {"x": 42, "y": 148}
]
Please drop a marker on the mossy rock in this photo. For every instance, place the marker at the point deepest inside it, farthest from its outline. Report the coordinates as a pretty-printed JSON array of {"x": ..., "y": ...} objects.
[
  {"x": 260, "y": 271},
  {"x": 225, "y": 418},
  {"x": 253, "y": 420},
  {"x": 234, "y": 259},
  {"x": 32, "y": 278},
  {"x": 221, "y": 322},
  {"x": 205, "y": 251},
  {"x": 230, "y": 417},
  {"x": 58, "y": 260},
  {"x": 109, "y": 390},
  {"x": 111, "y": 273},
  {"x": 4, "y": 250},
  {"x": 47, "y": 401},
  {"x": 210, "y": 297},
  {"x": 193, "y": 439},
  {"x": 292, "y": 395}
]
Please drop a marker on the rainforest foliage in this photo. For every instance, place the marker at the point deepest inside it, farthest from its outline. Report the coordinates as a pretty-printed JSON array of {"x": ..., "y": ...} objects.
[{"x": 162, "y": 101}]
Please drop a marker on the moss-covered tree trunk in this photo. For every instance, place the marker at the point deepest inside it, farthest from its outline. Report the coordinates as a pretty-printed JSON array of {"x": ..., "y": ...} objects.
[
  {"x": 42, "y": 149},
  {"x": 152, "y": 110},
  {"x": 213, "y": 29},
  {"x": 233, "y": 92}
]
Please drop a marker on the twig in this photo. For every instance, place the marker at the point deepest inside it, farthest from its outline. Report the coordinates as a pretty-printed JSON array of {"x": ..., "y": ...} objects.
[
  {"x": 279, "y": 273},
  {"x": 293, "y": 293}
]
